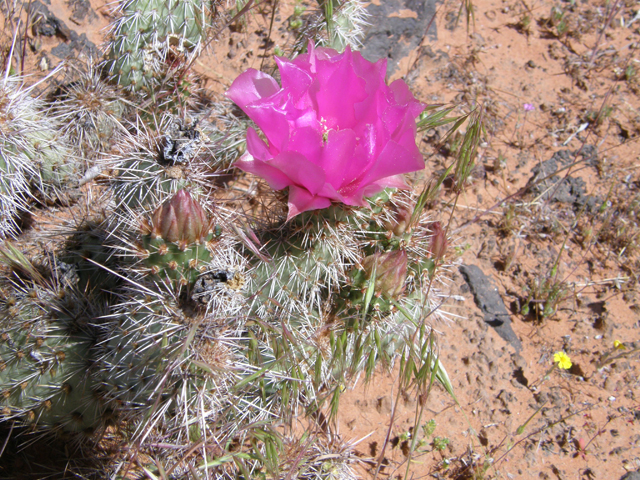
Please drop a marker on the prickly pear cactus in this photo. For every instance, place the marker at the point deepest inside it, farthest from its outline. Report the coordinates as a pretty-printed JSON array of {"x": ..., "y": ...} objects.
[{"x": 152, "y": 38}]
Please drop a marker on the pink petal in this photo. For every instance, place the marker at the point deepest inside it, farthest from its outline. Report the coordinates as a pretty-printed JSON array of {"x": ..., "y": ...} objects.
[
  {"x": 274, "y": 177},
  {"x": 256, "y": 147},
  {"x": 339, "y": 89},
  {"x": 251, "y": 86},
  {"x": 294, "y": 77},
  {"x": 308, "y": 142},
  {"x": 338, "y": 157},
  {"x": 300, "y": 171},
  {"x": 397, "y": 181},
  {"x": 393, "y": 160},
  {"x": 271, "y": 116},
  {"x": 403, "y": 97},
  {"x": 300, "y": 200}
]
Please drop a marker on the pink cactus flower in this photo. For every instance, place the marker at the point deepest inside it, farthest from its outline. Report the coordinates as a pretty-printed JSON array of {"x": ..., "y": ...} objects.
[{"x": 336, "y": 132}]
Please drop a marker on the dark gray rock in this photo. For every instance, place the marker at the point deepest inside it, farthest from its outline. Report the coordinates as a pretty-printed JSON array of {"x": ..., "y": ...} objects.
[
  {"x": 47, "y": 24},
  {"x": 490, "y": 303},
  {"x": 81, "y": 11},
  {"x": 631, "y": 475},
  {"x": 393, "y": 37},
  {"x": 571, "y": 190}
]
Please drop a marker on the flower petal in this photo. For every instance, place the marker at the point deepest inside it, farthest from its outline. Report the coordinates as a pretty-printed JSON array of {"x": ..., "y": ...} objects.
[
  {"x": 300, "y": 200},
  {"x": 256, "y": 146},
  {"x": 274, "y": 177},
  {"x": 271, "y": 116},
  {"x": 251, "y": 86},
  {"x": 338, "y": 157},
  {"x": 300, "y": 171},
  {"x": 294, "y": 77},
  {"x": 338, "y": 81},
  {"x": 393, "y": 160}
]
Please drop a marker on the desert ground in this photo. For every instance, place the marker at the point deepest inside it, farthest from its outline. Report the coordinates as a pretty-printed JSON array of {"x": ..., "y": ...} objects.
[{"x": 544, "y": 239}]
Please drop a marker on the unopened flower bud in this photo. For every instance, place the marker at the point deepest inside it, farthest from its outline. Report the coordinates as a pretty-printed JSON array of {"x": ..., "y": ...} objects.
[
  {"x": 390, "y": 272},
  {"x": 439, "y": 241},
  {"x": 400, "y": 222},
  {"x": 180, "y": 219}
]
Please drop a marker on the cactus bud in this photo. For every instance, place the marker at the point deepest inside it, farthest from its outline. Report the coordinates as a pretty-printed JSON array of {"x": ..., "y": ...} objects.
[
  {"x": 439, "y": 241},
  {"x": 390, "y": 272},
  {"x": 180, "y": 219}
]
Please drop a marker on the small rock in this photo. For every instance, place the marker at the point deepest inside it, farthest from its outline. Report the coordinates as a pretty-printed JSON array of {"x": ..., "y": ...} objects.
[
  {"x": 631, "y": 475},
  {"x": 491, "y": 304},
  {"x": 383, "y": 404}
]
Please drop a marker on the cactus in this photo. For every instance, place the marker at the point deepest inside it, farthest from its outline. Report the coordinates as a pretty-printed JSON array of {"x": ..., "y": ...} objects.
[
  {"x": 19, "y": 120},
  {"x": 46, "y": 338},
  {"x": 336, "y": 24},
  {"x": 152, "y": 166},
  {"x": 90, "y": 111},
  {"x": 337, "y": 291},
  {"x": 178, "y": 242},
  {"x": 153, "y": 38}
]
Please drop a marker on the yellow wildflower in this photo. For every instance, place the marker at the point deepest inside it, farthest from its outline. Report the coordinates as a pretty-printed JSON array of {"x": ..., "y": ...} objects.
[
  {"x": 563, "y": 360},
  {"x": 618, "y": 345}
]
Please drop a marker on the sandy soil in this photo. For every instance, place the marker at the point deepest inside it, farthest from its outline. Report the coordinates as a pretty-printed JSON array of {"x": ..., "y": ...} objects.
[{"x": 552, "y": 77}]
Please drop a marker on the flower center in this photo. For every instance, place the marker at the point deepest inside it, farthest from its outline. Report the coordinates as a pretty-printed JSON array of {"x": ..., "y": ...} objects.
[{"x": 324, "y": 128}]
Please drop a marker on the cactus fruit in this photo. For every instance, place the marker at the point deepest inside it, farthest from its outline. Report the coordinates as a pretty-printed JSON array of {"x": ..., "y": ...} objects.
[{"x": 152, "y": 38}]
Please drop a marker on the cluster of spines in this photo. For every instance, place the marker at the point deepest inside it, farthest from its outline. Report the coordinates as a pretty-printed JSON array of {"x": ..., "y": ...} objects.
[
  {"x": 337, "y": 24},
  {"x": 90, "y": 112},
  {"x": 153, "y": 39},
  {"x": 35, "y": 161},
  {"x": 46, "y": 338},
  {"x": 151, "y": 164}
]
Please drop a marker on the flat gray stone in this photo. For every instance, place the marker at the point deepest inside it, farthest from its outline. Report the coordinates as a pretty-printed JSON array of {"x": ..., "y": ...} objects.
[{"x": 491, "y": 304}]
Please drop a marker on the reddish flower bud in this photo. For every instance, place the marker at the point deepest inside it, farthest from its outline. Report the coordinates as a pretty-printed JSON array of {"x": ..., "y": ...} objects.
[
  {"x": 439, "y": 241},
  {"x": 390, "y": 272},
  {"x": 400, "y": 223},
  {"x": 180, "y": 219}
]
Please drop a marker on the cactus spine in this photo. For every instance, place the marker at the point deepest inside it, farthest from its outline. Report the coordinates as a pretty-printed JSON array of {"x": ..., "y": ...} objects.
[
  {"x": 46, "y": 338},
  {"x": 152, "y": 38}
]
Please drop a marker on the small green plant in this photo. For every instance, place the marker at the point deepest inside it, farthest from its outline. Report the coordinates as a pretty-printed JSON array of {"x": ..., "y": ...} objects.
[
  {"x": 295, "y": 21},
  {"x": 440, "y": 443},
  {"x": 545, "y": 294}
]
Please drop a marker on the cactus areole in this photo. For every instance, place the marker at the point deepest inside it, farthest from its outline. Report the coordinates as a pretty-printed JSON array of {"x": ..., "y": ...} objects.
[{"x": 177, "y": 241}]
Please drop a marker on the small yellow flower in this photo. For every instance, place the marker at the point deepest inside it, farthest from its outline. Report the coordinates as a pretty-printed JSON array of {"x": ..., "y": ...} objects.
[
  {"x": 563, "y": 360},
  {"x": 618, "y": 345}
]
